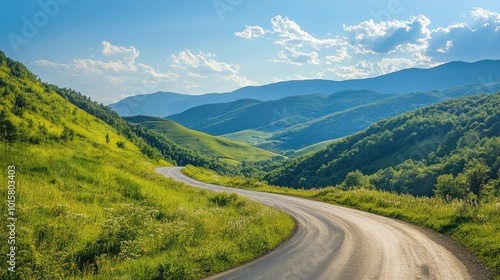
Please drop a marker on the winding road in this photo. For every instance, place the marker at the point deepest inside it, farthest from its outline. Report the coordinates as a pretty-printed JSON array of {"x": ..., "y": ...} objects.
[{"x": 333, "y": 242}]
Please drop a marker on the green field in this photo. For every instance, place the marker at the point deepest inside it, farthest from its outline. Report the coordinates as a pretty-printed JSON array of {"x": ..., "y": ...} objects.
[
  {"x": 229, "y": 151},
  {"x": 252, "y": 137}
]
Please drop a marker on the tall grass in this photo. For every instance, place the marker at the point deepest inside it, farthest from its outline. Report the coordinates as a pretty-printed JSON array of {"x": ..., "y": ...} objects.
[
  {"x": 91, "y": 211},
  {"x": 476, "y": 227}
]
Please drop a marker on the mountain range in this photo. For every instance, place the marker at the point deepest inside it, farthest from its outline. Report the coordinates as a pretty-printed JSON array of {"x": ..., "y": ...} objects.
[
  {"x": 407, "y": 153},
  {"x": 162, "y": 104},
  {"x": 296, "y": 122}
]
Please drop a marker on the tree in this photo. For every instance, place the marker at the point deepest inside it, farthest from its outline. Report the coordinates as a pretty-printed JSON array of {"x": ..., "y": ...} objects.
[
  {"x": 120, "y": 144},
  {"x": 356, "y": 179},
  {"x": 449, "y": 187},
  {"x": 19, "y": 105},
  {"x": 8, "y": 131},
  {"x": 476, "y": 177},
  {"x": 107, "y": 139}
]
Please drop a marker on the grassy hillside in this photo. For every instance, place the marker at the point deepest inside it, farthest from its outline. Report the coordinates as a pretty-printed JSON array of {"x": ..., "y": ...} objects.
[
  {"x": 408, "y": 152},
  {"x": 270, "y": 116},
  {"x": 88, "y": 205},
  {"x": 297, "y": 122},
  {"x": 205, "y": 144}
]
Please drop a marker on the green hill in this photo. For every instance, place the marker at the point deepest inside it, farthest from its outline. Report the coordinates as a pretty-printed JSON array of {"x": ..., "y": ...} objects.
[
  {"x": 88, "y": 205},
  {"x": 408, "y": 152},
  {"x": 342, "y": 123},
  {"x": 214, "y": 147},
  {"x": 296, "y": 122},
  {"x": 270, "y": 116}
]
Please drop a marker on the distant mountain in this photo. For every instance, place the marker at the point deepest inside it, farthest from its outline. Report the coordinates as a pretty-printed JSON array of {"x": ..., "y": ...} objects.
[
  {"x": 408, "y": 152},
  {"x": 224, "y": 150},
  {"x": 448, "y": 75},
  {"x": 271, "y": 116},
  {"x": 352, "y": 120},
  {"x": 296, "y": 122}
]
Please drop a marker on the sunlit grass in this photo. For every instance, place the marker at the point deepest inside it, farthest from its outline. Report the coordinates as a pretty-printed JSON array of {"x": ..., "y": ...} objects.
[{"x": 93, "y": 211}]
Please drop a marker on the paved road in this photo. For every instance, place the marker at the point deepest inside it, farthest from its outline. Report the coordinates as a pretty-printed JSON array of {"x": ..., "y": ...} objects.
[{"x": 333, "y": 242}]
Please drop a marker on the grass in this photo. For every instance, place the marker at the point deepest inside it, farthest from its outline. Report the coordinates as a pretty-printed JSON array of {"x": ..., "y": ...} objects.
[
  {"x": 314, "y": 148},
  {"x": 231, "y": 151},
  {"x": 476, "y": 227},
  {"x": 101, "y": 213},
  {"x": 90, "y": 206},
  {"x": 252, "y": 137}
]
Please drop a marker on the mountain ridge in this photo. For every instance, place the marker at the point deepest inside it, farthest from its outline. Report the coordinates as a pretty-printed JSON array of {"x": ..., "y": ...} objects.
[
  {"x": 162, "y": 104},
  {"x": 296, "y": 122}
]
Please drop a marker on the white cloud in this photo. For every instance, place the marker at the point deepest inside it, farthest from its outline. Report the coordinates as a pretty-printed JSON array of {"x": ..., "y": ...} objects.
[
  {"x": 187, "y": 60},
  {"x": 45, "y": 63},
  {"x": 291, "y": 34},
  {"x": 196, "y": 75},
  {"x": 252, "y": 32},
  {"x": 206, "y": 66},
  {"x": 480, "y": 14},
  {"x": 342, "y": 55},
  {"x": 190, "y": 85},
  {"x": 292, "y": 56},
  {"x": 470, "y": 41},
  {"x": 386, "y": 36},
  {"x": 362, "y": 69},
  {"x": 449, "y": 45},
  {"x": 170, "y": 76},
  {"x": 298, "y": 46},
  {"x": 240, "y": 81}
]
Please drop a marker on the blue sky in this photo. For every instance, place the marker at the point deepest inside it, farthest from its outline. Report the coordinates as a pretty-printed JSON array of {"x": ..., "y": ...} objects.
[{"x": 109, "y": 50}]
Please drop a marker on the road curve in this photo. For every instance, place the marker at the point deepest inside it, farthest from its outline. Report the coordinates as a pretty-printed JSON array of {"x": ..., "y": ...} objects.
[{"x": 333, "y": 242}]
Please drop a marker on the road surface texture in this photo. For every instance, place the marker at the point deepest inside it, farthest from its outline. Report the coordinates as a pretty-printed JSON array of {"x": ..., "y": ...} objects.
[{"x": 333, "y": 242}]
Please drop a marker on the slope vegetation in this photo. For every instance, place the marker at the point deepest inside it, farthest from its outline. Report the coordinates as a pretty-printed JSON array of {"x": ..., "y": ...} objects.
[
  {"x": 214, "y": 147},
  {"x": 88, "y": 205},
  {"x": 297, "y": 122},
  {"x": 408, "y": 152}
]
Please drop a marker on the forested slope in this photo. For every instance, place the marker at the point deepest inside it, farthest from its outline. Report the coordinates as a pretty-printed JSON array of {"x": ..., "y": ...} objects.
[{"x": 408, "y": 152}]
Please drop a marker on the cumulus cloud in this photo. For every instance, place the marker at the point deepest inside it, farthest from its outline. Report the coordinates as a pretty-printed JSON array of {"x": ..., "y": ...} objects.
[
  {"x": 293, "y": 56},
  {"x": 387, "y": 36},
  {"x": 120, "y": 59},
  {"x": 185, "y": 59},
  {"x": 469, "y": 41},
  {"x": 291, "y": 34},
  {"x": 252, "y": 32},
  {"x": 342, "y": 54},
  {"x": 205, "y": 65},
  {"x": 298, "y": 46}
]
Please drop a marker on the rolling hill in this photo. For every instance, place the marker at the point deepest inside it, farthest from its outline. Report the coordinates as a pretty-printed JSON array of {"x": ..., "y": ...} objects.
[
  {"x": 297, "y": 122},
  {"x": 271, "y": 116},
  {"x": 215, "y": 147},
  {"x": 408, "y": 152},
  {"x": 87, "y": 203},
  {"x": 162, "y": 104}
]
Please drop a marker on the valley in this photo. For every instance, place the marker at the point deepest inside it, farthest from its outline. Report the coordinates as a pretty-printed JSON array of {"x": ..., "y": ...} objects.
[{"x": 94, "y": 208}]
